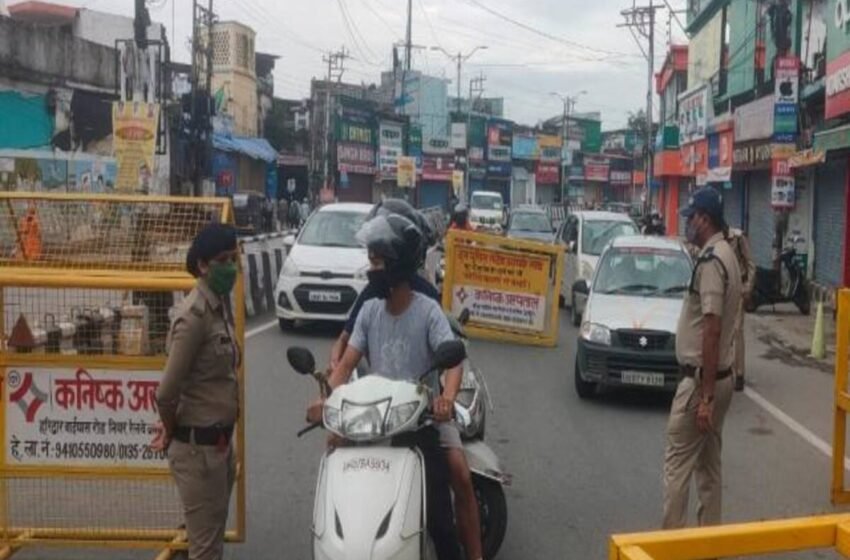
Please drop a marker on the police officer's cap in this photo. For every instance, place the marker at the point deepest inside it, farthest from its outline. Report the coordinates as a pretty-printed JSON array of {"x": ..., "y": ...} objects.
[
  {"x": 706, "y": 200},
  {"x": 210, "y": 242}
]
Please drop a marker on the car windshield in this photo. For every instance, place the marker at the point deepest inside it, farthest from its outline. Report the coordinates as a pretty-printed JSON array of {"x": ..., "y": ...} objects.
[
  {"x": 597, "y": 233},
  {"x": 530, "y": 221},
  {"x": 486, "y": 202},
  {"x": 643, "y": 271},
  {"x": 332, "y": 229}
]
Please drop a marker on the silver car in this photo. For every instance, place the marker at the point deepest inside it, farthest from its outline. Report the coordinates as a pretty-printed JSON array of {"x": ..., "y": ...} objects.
[{"x": 628, "y": 332}]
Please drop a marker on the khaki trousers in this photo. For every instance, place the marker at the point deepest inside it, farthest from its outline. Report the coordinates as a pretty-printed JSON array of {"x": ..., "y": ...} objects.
[
  {"x": 204, "y": 476},
  {"x": 739, "y": 344},
  {"x": 690, "y": 452}
]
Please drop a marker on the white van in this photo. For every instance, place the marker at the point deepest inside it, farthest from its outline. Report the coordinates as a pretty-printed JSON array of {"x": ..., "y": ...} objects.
[{"x": 487, "y": 210}]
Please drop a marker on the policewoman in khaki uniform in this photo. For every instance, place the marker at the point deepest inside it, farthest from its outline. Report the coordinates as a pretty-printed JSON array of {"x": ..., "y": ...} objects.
[
  {"x": 198, "y": 397},
  {"x": 704, "y": 350}
]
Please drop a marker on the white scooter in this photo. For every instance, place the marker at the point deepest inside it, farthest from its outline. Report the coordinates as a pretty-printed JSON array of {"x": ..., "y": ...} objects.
[{"x": 370, "y": 496}]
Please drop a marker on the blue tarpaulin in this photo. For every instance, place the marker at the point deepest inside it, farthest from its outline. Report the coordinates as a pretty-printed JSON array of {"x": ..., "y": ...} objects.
[{"x": 256, "y": 148}]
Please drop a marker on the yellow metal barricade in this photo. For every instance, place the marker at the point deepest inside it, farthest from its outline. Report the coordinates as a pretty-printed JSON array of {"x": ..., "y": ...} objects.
[
  {"x": 842, "y": 398},
  {"x": 86, "y": 289},
  {"x": 746, "y": 539},
  {"x": 510, "y": 287}
]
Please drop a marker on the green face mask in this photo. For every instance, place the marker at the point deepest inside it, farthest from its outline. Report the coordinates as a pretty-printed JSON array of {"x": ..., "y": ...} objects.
[{"x": 222, "y": 277}]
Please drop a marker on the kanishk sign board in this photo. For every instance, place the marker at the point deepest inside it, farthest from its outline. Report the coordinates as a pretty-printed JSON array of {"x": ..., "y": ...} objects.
[{"x": 837, "y": 59}]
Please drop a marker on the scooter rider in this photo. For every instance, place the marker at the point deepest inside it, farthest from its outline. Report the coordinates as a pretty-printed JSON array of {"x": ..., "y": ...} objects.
[
  {"x": 399, "y": 332},
  {"x": 417, "y": 282},
  {"x": 460, "y": 218}
]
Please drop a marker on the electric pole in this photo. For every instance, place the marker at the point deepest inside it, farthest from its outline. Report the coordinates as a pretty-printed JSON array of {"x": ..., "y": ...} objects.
[
  {"x": 201, "y": 120},
  {"x": 336, "y": 67},
  {"x": 642, "y": 19},
  {"x": 569, "y": 102},
  {"x": 476, "y": 91},
  {"x": 408, "y": 42},
  {"x": 459, "y": 59}
]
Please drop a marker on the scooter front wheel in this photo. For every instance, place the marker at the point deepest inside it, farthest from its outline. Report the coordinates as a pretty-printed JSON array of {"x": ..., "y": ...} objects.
[{"x": 493, "y": 510}]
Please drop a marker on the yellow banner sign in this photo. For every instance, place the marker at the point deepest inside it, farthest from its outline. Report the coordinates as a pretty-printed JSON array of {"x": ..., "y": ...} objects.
[
  {"x": 406, "y": 172},
  {"x": 134, "y": 126}
]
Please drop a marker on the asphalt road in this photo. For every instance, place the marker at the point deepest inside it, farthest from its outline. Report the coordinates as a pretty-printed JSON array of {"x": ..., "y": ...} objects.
[{"x": 582, "y": 470}]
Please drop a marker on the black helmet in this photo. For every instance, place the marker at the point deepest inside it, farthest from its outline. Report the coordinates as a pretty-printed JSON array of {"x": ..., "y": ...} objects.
[
  {"x": 403, "y": 208},
  {"x": 397, "y": 240}
]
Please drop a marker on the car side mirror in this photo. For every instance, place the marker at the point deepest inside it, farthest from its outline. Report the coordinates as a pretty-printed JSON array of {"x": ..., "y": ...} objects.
[
  {"x": 289, "y": 241},
  {"x": 301, "y": 360},
  {"x": 581, "y": 287}
]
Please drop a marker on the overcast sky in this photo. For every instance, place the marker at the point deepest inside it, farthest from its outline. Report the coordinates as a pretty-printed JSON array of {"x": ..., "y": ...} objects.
[{"x": 584, "y": 49}]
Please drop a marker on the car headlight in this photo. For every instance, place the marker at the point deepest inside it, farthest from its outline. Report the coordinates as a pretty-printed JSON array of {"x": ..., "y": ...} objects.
[
  {"x": 289, "y": 268},
  {"x": 401, "y": 415},
  {"x": 586, "y": 270},
  {"x": 362, "y": 274},
  {"x": 595, "y": 333},
  {"x": 363, "y": 422}
]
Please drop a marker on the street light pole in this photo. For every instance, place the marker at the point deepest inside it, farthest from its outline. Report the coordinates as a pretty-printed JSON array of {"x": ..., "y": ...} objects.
[
  {"x": 569, "y": 102},
  {"x": 459, "y": 59}
]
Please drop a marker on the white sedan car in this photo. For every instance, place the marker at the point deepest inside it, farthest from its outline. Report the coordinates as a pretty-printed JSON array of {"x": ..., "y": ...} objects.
[
  {"x": 326, "y": 268},
  {"x": 628, "y": 333}
]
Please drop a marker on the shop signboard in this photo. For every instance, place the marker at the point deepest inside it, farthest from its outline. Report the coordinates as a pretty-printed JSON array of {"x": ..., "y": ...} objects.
[
  {"x": 499, "y": 169},
  {"x": 782, "y": 195},
  {"x": 438, "y": 145},
  {"x": 458, "y": 141},
  {"x": 720, "y": 157},
  {"x": 750, "y": 156},
  {"x": 391, "y": 148},
  {"x": 596, "y": 168},
  {"x": 355, "y": 158},
  {"x": 837, "y": 59},
  {"x": 438, "y": 168},
  {"x": 406, "y": 172},
  {"x": 525, "y": 147},
  {"x": 499, "y": 140},
  {"x": 550, "y": 147},
  {"x": 694, "y": 115},
  {"x": 754, "y": 121},
  {"x": 547, "y": 173},
  {"x": 786, "y": 96},
  {"x": 477, "y": 138}
]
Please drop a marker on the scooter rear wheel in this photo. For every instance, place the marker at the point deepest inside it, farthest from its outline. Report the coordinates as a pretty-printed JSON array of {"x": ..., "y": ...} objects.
[{"x": 493, "y": 510}]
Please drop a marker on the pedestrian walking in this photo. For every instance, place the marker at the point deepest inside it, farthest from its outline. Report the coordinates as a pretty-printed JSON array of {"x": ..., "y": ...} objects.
[
  {"x": 305, "y": 209},
  {"x": 294, "y": 214},
  {"x": 741, "y": 247},
  {"x": 198, "y": 396},
  {"x": 704, "y": 350},
  {"x": 282, "y": 213}
]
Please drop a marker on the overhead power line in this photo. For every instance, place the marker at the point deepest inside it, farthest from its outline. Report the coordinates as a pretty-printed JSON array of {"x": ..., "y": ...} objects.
[{"x": 544, "y": 33}]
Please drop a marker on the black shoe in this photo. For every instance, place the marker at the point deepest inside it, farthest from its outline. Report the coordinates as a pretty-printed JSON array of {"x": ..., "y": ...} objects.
[{"x": 739, "y": 383}]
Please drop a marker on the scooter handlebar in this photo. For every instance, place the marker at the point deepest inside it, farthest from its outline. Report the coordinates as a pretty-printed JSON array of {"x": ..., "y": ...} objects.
[{"x": 309, "y": 428}]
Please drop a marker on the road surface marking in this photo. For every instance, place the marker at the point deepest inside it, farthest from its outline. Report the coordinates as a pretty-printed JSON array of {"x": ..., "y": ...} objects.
[
  {"x": 261, "y": 329},
  {"x": 793, "y": 425}
]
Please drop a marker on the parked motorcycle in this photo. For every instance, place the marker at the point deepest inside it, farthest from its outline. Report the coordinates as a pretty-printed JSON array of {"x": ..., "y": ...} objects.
[
  {"x": 789, "y": 283},
  {"x": 370, "y": 496}
]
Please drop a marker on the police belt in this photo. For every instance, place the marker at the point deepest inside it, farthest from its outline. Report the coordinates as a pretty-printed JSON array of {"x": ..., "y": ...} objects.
[
  {"x": 212, "y": 435},
  {"x": 691, "y": 371}
]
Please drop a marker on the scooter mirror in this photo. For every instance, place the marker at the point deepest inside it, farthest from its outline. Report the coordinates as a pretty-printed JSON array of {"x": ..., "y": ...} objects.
[
  {"x": 462, "y": 417},
  {"x": 449, "y": 354},
  {"x": 301, "y": 360}
]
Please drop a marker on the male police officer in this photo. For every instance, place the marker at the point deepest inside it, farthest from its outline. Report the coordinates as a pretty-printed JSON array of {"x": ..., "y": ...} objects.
[{"x": 704, "y": 350}]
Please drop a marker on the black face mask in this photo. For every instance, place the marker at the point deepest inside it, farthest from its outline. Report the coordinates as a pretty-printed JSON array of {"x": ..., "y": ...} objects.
[{"x": 380, "y": 282}]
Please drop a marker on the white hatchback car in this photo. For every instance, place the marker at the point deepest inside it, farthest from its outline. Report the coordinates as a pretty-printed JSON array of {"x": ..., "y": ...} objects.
[
  {"x": 325, "y": 270},
  {"x": 628, "y": 336}
]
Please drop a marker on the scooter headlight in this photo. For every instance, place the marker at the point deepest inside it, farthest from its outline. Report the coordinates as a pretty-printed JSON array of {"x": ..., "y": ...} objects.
[
  {"x": 363, "y": 421},
  {"x": 401, "y": 415}
]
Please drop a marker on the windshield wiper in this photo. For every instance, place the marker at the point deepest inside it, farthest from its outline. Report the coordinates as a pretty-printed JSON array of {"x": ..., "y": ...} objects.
[
  {"x": 675, "y": 289},
  {"x": 632, "y": 287},
  {"x": 341, "y": 245}
]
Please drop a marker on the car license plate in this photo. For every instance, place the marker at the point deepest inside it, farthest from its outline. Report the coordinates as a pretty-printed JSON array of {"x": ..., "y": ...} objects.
[
  {"x": 643, "y": 378},
  {"x": 325, "y": 297}
]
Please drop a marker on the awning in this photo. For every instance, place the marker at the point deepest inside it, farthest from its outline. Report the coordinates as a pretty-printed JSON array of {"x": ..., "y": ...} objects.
[
  {"x": 256, "y": 148},
  {"x": 833, "y": 139}
]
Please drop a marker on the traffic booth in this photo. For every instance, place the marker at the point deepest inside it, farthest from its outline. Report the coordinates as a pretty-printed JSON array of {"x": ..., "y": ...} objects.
[
  {"x": 87, "y": 287},
  {"x": 510, "y": 287}
]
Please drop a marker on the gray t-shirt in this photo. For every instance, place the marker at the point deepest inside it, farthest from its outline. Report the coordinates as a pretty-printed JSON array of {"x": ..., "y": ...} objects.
[{"x": 401, "y": 347}]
